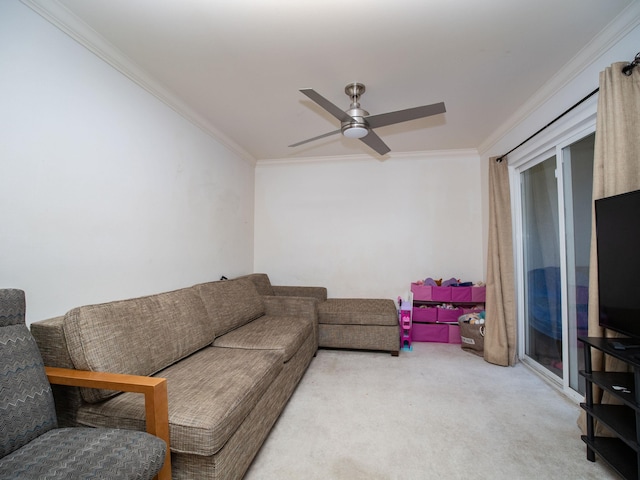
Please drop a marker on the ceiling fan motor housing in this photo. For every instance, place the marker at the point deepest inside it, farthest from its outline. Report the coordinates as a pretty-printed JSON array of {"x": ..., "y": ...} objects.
[{"x": 357, "y": 127}]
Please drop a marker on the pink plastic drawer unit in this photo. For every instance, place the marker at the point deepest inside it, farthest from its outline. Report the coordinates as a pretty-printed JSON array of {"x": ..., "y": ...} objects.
[
  {"x": 421, "y": 292},
  {"x": 425, "y": 314},
  {"x": 478, "y": 294},
  {"x": 461, "y": 294},
  {"x": 404, "y": 316}
]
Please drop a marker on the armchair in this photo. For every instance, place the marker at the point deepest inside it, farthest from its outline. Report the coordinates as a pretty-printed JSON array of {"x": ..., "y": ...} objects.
[{"x": 31, "y": 444}]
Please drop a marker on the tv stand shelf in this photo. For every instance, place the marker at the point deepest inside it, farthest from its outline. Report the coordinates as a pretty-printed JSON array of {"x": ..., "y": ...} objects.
[{"x": 621, "y": 452}]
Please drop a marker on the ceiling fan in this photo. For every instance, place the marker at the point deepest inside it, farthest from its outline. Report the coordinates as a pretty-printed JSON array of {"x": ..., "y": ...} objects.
[{"x": 357, "y": 123}]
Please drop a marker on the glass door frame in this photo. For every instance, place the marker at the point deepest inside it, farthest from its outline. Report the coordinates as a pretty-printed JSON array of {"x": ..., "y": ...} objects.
[{"x": 581, "y": 123}]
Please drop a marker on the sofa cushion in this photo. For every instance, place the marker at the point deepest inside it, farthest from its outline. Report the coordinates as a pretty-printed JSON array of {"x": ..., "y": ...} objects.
[
  {"x": 231, "y": 303},
  {"x": 139, "y": 336},
  {"x": 282, "y": 333},
  {"x": 262, "y": 283},
  {"x": 210, "y": 394}
]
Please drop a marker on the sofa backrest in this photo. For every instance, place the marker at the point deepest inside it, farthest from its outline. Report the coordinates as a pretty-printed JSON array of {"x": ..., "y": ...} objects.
[
  {"x": 231, "y": 303},
  {"x": 262, "y": 283},
  {"x": 139, "y": 336}
]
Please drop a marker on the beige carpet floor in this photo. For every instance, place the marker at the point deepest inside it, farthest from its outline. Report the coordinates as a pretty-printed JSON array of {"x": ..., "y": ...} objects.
[{"x": 436, "y": 412}]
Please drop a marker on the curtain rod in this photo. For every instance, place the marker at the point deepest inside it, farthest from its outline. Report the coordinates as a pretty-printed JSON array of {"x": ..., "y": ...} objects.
[
  {"x": 627, "y": 70},
  {"x": 499, "y": 159}
]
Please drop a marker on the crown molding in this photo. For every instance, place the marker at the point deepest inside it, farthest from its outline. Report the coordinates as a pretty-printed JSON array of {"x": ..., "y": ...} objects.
[
  {"x": 400, "y": 156},
  {"x": 624, "y": 23},
  {"x": 59, "y": 16}
]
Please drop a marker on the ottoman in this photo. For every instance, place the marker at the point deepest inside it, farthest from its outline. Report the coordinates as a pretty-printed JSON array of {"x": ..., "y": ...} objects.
[{"x": 359, "y": 323}]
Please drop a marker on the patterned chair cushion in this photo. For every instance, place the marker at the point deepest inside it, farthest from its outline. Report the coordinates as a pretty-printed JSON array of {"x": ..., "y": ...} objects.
[
  {"x": 81, "y": 453},
  {"x": 26, "y": 402}
]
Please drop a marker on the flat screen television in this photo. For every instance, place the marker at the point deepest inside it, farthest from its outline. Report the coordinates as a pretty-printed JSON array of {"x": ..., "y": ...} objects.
[{"x": 618, "y": 242}]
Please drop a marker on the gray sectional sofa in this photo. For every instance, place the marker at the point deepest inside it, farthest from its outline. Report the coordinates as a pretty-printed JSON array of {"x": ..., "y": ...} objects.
[
  {"x": 231, "y": 357},
  {"x": 232, "y": 352}
]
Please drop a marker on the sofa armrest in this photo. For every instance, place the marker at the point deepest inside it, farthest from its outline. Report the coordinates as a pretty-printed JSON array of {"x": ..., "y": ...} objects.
[
  {"x": 52, "y": 342},
  {"x": 319, "y": 293},
  {"x": 154, "y": 391}
]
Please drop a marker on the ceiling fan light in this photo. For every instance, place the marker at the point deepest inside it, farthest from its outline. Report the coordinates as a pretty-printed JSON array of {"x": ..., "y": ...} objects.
[{"x": 355, "y": 132}]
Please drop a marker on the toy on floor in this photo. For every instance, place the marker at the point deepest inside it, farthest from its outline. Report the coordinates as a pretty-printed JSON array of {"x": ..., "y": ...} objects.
[
  {"x": 404, "y": 317},
  {"x": 476, "y": 318}
]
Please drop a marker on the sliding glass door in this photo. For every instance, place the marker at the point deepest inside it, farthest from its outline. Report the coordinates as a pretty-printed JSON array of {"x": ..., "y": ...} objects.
[
  {"x": 554, "y": 221},
  {"x": 577, "y": 180},
  {"x": 541, "y": 262}
]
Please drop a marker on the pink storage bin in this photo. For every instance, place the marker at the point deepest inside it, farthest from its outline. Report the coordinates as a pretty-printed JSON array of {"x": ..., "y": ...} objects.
[
  {"x": 429, "y": 314},
  {"x": 478, "y": 294},
  {"x": 449, "y": 315},
  {"x": 461, "y": 294},
  {"x": 441, "y": 294},
  {"x": 454, "y": 334},
  {"x": 430, "y": 332},
  {"x": 421, "y": 292}
]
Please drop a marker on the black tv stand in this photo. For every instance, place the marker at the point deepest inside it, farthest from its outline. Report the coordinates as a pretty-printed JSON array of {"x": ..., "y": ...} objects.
[
  {"x": 622, "y": 344},
  {"x": 622, "y": 451}
]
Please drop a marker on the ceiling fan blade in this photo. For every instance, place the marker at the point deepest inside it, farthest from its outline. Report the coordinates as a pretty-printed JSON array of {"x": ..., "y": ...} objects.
[
  {"x": 315, "y": 138},
  {"x": 326, "y": 104},
  {"x": 375, "y": 142},
  {"x": 399, "y": 116}
]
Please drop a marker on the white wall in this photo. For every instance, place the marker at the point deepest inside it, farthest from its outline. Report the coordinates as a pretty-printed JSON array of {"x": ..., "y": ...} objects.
[
  {"x": 105, "y": 192},
  {"x": 368, "y": 228}
]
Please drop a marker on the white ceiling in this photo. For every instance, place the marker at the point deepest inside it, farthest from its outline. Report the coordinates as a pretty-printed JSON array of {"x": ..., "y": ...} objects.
[{"x": 236, "y": 66}]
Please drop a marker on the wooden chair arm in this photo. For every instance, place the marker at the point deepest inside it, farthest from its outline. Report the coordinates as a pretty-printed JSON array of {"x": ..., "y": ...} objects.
[{"x": 155, "y": 398}]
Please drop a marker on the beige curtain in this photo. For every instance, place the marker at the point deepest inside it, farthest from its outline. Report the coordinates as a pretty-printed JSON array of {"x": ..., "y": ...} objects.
[
  {"x": 500, "y": 338},
  {"x": 616, "y": 163},
  {"x": 616, "y": 170}
]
